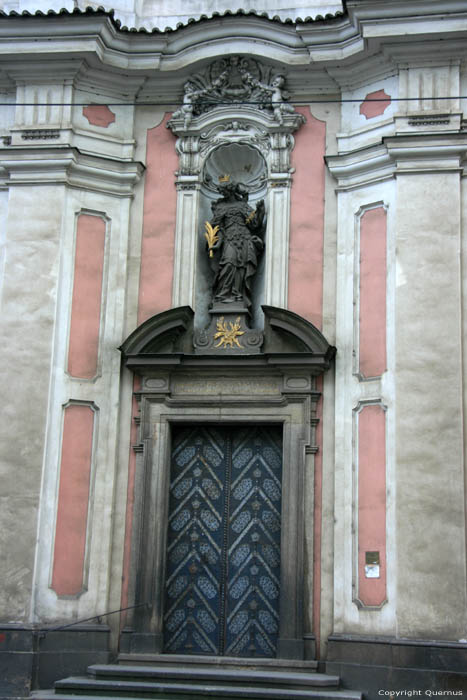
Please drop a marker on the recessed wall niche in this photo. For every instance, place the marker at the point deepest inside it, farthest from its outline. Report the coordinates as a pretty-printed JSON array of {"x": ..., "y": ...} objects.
[
  {"x": 241, "y": 163},
  {"x": 234, "y": 119}
]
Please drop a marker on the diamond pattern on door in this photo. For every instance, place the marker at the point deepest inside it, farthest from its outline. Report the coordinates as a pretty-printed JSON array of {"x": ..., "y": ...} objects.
[{"x": 223, "y": 550}]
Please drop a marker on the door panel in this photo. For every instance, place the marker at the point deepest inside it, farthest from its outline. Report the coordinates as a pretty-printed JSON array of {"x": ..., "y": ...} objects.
[{"x": 223, "y": 550}]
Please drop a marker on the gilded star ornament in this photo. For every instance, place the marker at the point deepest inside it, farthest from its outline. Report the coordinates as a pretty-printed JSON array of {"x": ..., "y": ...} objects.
[{"x": 228, "y": 337}]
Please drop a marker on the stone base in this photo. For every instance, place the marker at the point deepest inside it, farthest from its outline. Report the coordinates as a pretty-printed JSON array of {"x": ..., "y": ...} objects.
[
  {"x": 132, "y": 642},
  {"x": 31, "y": 659},
  {"x": 228, "y": 332},
  {"x": 384, "y": 665}
]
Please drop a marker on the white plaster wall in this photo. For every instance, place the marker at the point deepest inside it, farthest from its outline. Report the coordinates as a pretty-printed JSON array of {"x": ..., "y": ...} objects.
[
  {"x": 107, "y": 505},
  {"x": 3, "y": 233},
  {"x": 352, "y": 120},
  {"x": 430, "y": 509},
  {"x": 463, "y": 262},
  {"x": 431, "y": 84},
  {"x": 29, "y": 294},
  {"x": 7, "y": 111},
  {"x": 356, "y": 131},
  {"x": 116, "y": 140},
  {"x": 463, "y": 87},
  {"x": 103, "y": 392}
]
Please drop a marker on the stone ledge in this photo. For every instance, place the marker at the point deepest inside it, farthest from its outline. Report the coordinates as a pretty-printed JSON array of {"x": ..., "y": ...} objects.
[
  {"x": 31, "y": 657},
  {"x": 387, "y": 663}
]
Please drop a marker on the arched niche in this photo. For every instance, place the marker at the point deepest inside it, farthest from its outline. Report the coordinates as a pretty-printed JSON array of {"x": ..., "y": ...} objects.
[
  {"x": 244, "y": 163},
  {"x": 236, "y": 108}
]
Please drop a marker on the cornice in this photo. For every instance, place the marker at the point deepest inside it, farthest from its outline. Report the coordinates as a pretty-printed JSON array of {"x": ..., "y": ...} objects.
[
  {"x": 384, "y": 33},
  {"x": 402, "y": 154},
  {"x": 361, "y": 167},
  {"x": 427, "y": 153},
  {"x": 68, "y": 166}
]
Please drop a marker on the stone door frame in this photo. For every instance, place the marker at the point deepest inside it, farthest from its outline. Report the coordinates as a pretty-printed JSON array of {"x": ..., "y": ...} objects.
[
  {"x": 277, "y": 385},
  {"x": 229, "y": 398}
]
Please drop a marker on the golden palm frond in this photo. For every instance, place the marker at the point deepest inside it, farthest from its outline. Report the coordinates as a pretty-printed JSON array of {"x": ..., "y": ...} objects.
[{"x": 211, "y": 236}]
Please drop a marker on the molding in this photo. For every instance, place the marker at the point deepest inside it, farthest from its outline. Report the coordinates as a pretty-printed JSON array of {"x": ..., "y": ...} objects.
[
  {"x": 49, "y": 165},
  {"x": 399, "y": 155},
  {"x": 291, "y": 324},
  {"x": 165, "y": 342},
  {"x": 363, "y": 166},
  {"x": 416, "y": 153},
  {"x": 157, "y": 331}
]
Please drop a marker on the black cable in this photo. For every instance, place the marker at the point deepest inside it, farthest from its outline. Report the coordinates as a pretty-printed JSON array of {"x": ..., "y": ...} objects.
[{"x": 299, "y": 103}]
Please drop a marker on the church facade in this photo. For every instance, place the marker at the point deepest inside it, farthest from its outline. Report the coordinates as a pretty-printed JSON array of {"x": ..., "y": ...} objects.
[{"x": 233, "y": 273}]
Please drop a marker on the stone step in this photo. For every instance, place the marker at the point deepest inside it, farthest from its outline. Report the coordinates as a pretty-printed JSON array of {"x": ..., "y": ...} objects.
[
  {"x": 80, "y": 688},
  {"x": 224, "y": 675},
  {"x": 261, "y": 664}
]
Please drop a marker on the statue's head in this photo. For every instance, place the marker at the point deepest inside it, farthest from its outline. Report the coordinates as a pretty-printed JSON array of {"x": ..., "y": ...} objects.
[
  {"x": 278, "y": 81},
  {"x": 241, "y": 191},
  {"x": 227, "y": 188}
]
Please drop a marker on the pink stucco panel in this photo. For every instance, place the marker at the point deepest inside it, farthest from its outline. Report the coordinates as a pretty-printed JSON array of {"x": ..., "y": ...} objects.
[
  {"x": 160, "y": 201},
  {"x": 99, "y": 115},
  {"x": 372, "y": 501},
  {"x": 375, "y": 104},
  {"x": 305, "y": 294},
  {"x": 73, "y": 499},
  {"x": 156, "y": 276},
  {"x": 372, "y": 321},
  {"x": 83, "y": 346}
]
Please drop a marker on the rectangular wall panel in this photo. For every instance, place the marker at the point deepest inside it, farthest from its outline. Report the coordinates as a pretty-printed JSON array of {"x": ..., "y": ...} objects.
[
  {"x": 371, "y": 505},
  {"x": 83, "y": 348},
  {"x": 157, "y": 252},
  {"x": 305, "y": 293},
  {"x": 73, "y": 500},
  {"x": 372, "y": 297}
]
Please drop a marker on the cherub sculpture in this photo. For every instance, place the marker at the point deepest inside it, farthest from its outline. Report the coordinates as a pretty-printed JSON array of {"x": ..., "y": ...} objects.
[{"x": 277, "y": 95}]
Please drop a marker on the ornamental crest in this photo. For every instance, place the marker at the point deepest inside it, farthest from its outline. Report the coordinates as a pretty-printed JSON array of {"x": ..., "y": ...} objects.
[{"x": 237, "y": 81}]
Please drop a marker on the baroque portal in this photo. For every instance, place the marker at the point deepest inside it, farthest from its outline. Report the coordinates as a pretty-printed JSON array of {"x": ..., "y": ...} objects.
[{"x": 219, "y": 543}]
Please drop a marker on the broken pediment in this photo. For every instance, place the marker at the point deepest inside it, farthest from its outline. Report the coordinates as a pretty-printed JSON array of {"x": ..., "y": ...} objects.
[{"x": 166, "y": 340}]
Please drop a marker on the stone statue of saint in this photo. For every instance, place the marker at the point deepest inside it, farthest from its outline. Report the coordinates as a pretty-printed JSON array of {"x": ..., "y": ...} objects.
[{"x": 239, "y": 243}]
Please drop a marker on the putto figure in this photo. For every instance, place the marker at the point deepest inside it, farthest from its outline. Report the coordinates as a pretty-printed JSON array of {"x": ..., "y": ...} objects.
[
  {"x": 236, "y": 80},
  {"x": 238, "y": 243},
  {"x": 276, "y": 94}
]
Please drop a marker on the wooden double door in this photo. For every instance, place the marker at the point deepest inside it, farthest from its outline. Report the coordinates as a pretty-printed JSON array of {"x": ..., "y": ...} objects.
[{"x": 224, "y": 541}]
